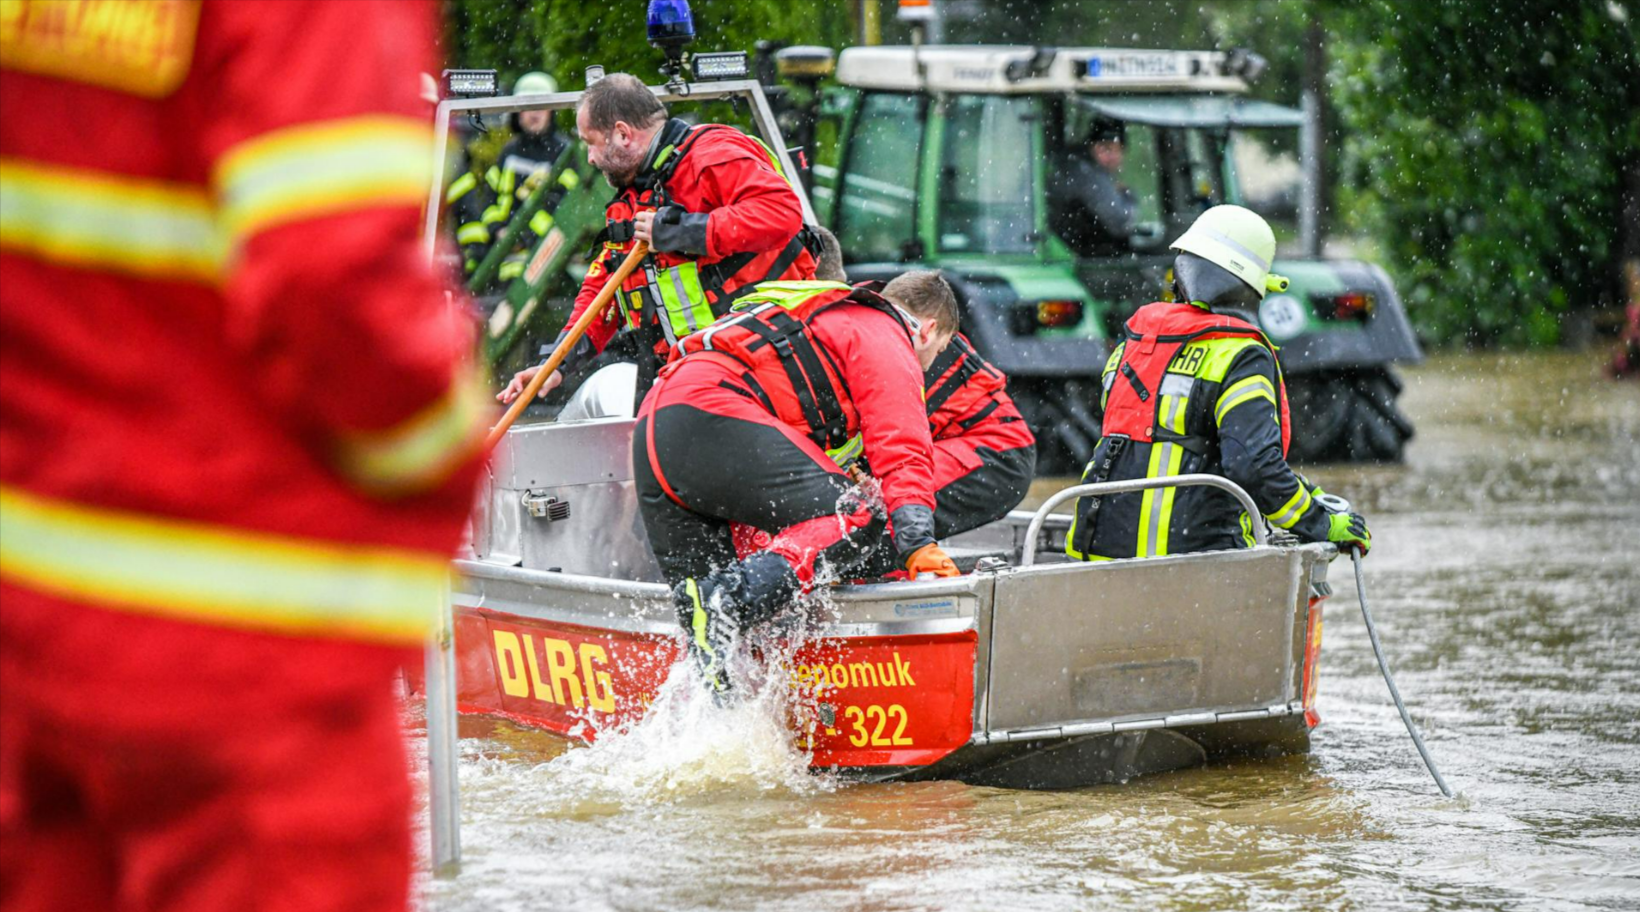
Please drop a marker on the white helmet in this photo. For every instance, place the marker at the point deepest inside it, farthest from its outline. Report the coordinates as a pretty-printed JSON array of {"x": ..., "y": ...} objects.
[
  {"x": 1238, "y": 241},
  {"x": 535, "y": 82}
]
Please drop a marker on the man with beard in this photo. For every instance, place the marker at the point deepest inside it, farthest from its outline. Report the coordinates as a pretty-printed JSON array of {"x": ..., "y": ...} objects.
[{"x": 713, "y": 205}]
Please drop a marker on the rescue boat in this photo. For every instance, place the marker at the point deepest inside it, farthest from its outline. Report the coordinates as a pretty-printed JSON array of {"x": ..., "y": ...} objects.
[{"x": 1029, "y": 671}]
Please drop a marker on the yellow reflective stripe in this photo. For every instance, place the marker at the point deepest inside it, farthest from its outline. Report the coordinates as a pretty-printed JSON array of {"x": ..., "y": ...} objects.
[
  {"x": 211, "y": 574},
  {"x": 1156, "y": 506},
  {"x": 317, "y": 169},
  {"x": 541, "y": 222},
  {"x": 460, "y": 186},
  {"x": 1293, "y": 510},
  {"x": 848, "y": 452},
  {"x": 1220, "y": 353},
  {"x": 95, "y": 219},
  {"x": 568, "y": 179},
  {"x": 1242, "y": 391},
  {"x": 421, "y": 451},
  {"x": 473, "y": 233}
]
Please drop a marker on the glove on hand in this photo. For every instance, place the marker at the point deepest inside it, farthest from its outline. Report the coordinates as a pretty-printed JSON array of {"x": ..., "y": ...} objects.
[
  {"x": 931, "y": 559},
  {"x": 1349, "y": 530},
  {"x": 677, "y": 230}
]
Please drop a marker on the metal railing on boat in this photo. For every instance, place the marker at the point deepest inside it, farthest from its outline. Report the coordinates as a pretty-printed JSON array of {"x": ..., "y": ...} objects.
[
  {"x": 1028, "y": 555},
  {"x": 443, "y": 750}
]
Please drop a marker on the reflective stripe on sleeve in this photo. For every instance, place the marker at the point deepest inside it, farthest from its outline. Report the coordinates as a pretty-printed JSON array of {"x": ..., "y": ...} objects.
[
  {"x": 211, "y": 574},
  {"x": 1293, "y": 510},
  {"x": 94, "y": 219},
  {"x": 1241, "y": 392},
  {"x": 420, "y": 452},
  {"x": 460, "y": 187},
  {"x": 318, "y": 169},
  {"x": 473, "y": 233}
]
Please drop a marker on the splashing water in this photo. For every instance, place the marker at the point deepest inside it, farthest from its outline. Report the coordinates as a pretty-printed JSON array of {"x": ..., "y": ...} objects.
[{"x": 686, "y": 747}]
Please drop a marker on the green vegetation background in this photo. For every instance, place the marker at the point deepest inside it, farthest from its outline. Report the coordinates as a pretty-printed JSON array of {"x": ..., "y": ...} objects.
[{"x": 1480, "y": 148}]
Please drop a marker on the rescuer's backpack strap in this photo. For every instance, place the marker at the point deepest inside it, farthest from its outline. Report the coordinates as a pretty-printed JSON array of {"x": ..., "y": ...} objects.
[{"x": 958, "y": 354}]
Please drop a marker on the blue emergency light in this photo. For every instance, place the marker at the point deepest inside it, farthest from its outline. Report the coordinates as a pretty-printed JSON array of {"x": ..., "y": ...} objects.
[{"x": 671, "y": 27}]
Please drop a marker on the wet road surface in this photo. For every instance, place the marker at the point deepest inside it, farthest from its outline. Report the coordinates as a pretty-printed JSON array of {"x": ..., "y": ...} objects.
[{"x": 1505, "y": 582}]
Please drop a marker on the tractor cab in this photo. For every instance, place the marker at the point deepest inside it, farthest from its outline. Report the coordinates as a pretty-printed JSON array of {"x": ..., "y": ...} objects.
[{"x": 963, "y": 158}]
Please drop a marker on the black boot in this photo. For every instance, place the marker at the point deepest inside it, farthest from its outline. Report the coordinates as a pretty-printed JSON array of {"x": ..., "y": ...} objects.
[
  {"x": 715, "y": 608},
  {"x": 709, "y": 628}
]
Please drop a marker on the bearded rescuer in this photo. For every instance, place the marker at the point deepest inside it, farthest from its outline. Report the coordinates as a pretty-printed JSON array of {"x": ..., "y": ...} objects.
[
  {"x": 1192, "y": 389},
  {"x": 231, "y": 472},
  {"x": 712, "y": 204},
  {"x": 789, "y": 387}
]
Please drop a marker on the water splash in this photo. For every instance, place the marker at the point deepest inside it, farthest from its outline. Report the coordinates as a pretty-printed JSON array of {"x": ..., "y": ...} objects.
[{"x": 687, "y": 748}]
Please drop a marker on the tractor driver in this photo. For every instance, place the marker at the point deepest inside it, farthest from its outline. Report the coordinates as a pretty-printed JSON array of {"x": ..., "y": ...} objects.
[
  {"x": 1194, "y": 390},
  {"x": 1093, "y": 210}
]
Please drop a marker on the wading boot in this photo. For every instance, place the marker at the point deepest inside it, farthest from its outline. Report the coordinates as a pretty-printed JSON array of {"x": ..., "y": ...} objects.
[
  {"x": 709, "y": 629},
  {"x": 715, "y": 608}
]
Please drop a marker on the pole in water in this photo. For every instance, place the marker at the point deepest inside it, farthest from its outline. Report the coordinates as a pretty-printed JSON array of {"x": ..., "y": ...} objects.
[{"x": 1378, "y": 650}]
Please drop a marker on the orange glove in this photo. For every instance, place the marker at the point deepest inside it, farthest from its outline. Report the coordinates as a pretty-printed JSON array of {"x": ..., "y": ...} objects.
[{"x": 931, "y": 559}]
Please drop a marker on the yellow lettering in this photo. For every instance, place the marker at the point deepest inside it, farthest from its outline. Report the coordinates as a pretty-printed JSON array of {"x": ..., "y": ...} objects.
[
  {"x": 856, "y": 715},
  {"x": 544, "y": 690},
  {"x": 899, "y": 730},
  {"x": 902, "y": 670},
  {"x": 561, "y": 668},
  {"x": 599, "y": 692},
  {"x": 862, "y": 674},
  {"x": 839, "y": 676},
  {"x": 509, "y": 661}
]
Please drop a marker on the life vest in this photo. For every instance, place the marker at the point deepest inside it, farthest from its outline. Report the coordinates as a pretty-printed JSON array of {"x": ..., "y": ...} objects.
[
  {"x": 1156, "y": 338},
  {"x": 957, "y": 381},
  {"x": 688, "y": 295},
  {"x": 767, "y": 334}
]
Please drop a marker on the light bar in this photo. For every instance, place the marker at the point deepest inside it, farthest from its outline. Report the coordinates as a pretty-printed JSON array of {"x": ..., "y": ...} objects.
[
  {"x": 721, "y": 65},
  {"x": 470, "y": 83}
]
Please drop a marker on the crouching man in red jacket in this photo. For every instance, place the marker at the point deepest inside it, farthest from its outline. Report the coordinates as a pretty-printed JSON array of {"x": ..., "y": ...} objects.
[{"x": 751, "y": 422}]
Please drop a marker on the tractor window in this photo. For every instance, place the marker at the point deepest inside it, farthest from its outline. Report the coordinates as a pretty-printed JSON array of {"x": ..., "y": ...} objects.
[
  {"x": 877, "y": 207},
  {"x": 987, "y": 193}
]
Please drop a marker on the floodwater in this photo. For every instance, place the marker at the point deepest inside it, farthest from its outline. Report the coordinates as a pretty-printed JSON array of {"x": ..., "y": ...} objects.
[{"x": 1505, "y": 582}]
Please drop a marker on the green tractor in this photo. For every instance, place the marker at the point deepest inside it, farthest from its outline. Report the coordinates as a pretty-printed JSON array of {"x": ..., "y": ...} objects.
[{"x": 946, "y": 157}]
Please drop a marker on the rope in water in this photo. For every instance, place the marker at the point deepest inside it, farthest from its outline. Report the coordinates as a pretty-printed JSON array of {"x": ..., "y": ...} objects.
[{"x": 1378, "y": 650}]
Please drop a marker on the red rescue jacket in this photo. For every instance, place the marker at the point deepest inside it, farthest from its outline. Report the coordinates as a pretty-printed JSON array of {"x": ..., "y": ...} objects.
[
  {"x": 826, "y": 371},
  {"x": 237, "y": 444},
  {"x": 968, "y": 398},
  {"x": 753, "y": 232},
  {"x": 1155, "y": 337}
]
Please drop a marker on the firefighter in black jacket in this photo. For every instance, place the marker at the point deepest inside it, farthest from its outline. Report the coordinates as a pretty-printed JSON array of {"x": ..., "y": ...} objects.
[{"x": 1192, "y": 389}]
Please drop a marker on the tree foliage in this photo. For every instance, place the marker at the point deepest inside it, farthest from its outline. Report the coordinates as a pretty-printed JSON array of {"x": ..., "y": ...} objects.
[
  {"x": 1485, "y": 151},
  {"x": 564, "y": 37}
]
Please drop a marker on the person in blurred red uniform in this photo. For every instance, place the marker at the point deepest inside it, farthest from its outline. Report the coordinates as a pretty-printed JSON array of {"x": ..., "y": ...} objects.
[
  {"x": 752, "y": 423},
  {"x": 237, "y": 443},
  {"x": 712, "y": 203}
]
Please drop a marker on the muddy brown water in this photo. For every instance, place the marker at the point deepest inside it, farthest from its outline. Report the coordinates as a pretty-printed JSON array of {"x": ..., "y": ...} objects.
[{"x": 1505, "y": 581}]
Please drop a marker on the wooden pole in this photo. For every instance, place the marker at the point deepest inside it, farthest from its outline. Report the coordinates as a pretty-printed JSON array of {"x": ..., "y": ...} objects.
[{"x": 639, "y": 251}]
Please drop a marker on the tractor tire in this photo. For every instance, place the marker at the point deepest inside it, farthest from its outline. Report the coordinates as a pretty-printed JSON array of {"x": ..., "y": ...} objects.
[{"x": 1348, "y": 417}]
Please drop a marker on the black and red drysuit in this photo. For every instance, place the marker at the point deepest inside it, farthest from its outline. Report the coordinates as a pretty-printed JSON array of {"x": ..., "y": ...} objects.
[
  {"x": 984, "y": 453},
  {"x": 738, "y": 427},
  {"x": 726, "y": 218}
]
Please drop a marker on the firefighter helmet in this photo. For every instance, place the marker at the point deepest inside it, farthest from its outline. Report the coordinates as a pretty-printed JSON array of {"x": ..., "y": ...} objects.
[
  {"x": 535, "y": 82},
  {"x": 1238, "y": 241}
]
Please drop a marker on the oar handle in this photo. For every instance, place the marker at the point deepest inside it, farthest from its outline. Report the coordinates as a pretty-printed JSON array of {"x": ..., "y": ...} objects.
[{"x": 605, "y": 295}]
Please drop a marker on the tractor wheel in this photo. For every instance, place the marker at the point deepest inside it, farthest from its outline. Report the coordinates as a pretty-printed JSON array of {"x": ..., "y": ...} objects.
[{"x": 1348, "y": 417}]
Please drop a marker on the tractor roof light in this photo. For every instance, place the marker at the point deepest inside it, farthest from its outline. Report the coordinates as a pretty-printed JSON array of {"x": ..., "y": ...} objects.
[
  {"x": 1035, "y": 68},
  {"x": 720, "y": 65},
  {"x": 470, "y": 83},
  {"x": 1246, "y": 64}
]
